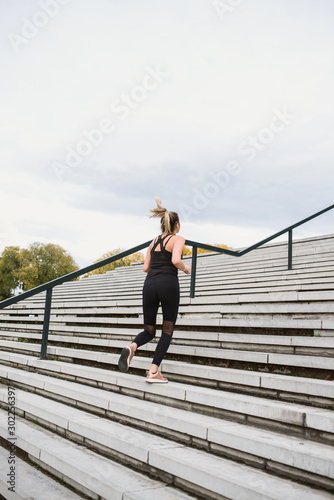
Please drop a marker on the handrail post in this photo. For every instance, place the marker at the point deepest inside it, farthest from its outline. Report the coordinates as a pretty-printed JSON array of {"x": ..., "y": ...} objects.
[
  {"x": 290, "y": 251},
  {"x": 193, "y": 272},
  {"x": 46, "y": 322}
]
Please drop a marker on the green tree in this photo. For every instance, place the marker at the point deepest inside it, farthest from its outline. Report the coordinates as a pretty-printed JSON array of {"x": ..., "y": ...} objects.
[
  {"x": 9, "y": 265},
  {"x": 41, "y": 263},
  {"x": 202, "y": 250},
  {"x": 125, "y": 261},
  {"x": 188, "y": 250}
]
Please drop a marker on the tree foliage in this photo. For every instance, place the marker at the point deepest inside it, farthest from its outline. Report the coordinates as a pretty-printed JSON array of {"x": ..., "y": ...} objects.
[
  {"x": 188, "y": 250},
  {"x": 9, "y": 265},
  {"x": 31, "y": 267},
  {"x": 41, "y": 263},
  {"x": 125, "y": 261}
]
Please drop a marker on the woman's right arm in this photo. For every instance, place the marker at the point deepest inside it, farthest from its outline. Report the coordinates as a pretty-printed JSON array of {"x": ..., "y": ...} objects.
[
  {"x": 147, "y": 262},
  {"x": 177, "y": 255}
]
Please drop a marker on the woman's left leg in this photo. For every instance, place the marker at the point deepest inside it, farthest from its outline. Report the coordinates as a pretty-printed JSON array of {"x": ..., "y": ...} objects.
[
  {"x": 169, "y": 295},
  {"x": 150, "y": 309}
]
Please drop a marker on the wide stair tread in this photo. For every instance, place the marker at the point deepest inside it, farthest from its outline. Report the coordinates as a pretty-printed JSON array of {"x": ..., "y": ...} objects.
[
  {"x": 252, "y": 443},
  {"x": 198, "y": 468}
]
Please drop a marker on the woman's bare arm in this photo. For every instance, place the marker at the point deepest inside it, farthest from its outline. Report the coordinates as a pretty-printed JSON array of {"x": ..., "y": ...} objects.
[
  {"x": 177, "y": 255},
  {"x": 147, "y": 262}
]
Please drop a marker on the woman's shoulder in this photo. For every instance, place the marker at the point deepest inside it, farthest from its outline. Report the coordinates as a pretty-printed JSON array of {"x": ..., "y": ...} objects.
[
  {"x": 178, "y": 237},
  {"x": 155, "y": 239},
  {"x": 175, "y": 240},
  {"x": 172, "y": 238}
]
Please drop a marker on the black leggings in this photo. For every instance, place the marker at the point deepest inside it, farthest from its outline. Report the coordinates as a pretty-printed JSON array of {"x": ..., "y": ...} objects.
[{"x": 159, "y": 289}]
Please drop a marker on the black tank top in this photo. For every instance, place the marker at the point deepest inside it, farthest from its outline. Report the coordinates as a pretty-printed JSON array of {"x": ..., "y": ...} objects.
[{"x": 161, "y": 260}]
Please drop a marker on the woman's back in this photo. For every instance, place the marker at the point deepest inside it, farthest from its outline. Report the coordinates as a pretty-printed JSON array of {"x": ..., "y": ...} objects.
[{"x": 161, "y": 256}]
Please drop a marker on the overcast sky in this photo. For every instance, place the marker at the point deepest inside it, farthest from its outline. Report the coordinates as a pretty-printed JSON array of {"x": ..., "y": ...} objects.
[{"x": 223, "y": 108}]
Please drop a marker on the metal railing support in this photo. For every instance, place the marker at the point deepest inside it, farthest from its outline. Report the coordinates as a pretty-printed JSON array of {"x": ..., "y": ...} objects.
[
  {"x": 193, "y": 272},
  {"x": 290, "y": 251},
  {"x": 46, "y": 322}
]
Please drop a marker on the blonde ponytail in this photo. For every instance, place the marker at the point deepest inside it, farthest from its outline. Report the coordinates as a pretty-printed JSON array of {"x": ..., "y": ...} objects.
[
  {"x": 159, "y": 211},
  {"x": 168, "y": 219},
  {"x": 168, "y": 228}
]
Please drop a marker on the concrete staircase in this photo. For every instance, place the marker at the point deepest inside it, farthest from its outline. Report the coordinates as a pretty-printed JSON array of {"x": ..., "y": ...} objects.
[{"x": 248, "y": 412}]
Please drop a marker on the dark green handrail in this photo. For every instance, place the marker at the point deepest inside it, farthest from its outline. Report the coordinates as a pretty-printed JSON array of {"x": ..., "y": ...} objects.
[
  {"x": 239, "y": 253},
  {"x": 195, "y": 244}
]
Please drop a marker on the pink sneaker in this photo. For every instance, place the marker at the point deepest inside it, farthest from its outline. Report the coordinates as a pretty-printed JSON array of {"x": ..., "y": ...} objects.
[{"x": 156, "y": 378}]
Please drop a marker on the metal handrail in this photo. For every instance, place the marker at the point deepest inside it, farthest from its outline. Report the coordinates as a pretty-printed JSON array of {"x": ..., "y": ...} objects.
[
  {"x": 48, "y": 287},
  {"x": 239, "y": 253}
]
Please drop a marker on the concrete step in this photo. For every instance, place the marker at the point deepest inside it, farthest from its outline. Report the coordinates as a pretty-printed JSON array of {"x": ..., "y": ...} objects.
[
  {"x": 286, "y": 344},
  {"x": 292, "y": 307},
  {"x": 288, "y": 298},
  {"x": 298, "y": 419},
  {"x": 308, "y": 276},
  {"x": 271, "y": 280},
  {"x": 28, "y": 483},
  {"x": 231, "y": 280},
  {"x": 280, "y": 294},
  {"x": 89, "y": 473},
  {"x": 206, "y": 287},
  {"x": 269, "y": 322},
  {"x": 200, "y": 313},
  {"x": 303, "y": 459},
  {"x": 265, "y": 358},
  {"x": 267, "y": 261},
  {"x": 227, "y": 298},
  {"x": 206, "y": 474},
  {"x": 303, "y": 390},
  {"x": 200, "y": 345}
]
